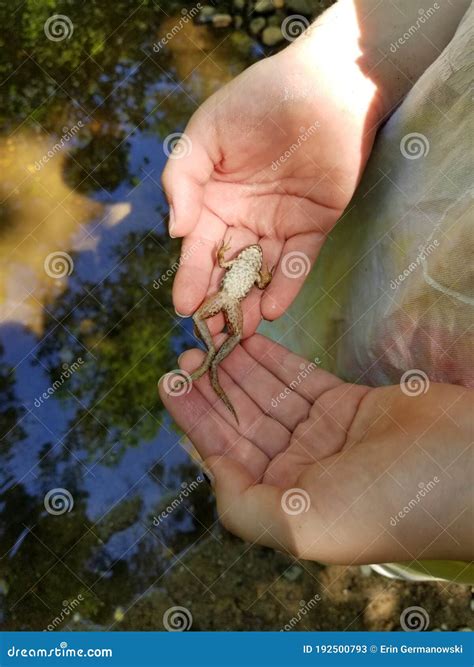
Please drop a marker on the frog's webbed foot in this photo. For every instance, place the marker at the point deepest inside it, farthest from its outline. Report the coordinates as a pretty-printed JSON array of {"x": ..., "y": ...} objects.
[
  {"x": 224, "y": 247},
  {"x": 264, "y": 277}
]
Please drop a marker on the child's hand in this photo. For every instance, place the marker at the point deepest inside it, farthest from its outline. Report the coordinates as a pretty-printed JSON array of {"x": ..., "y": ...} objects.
[
  {"x": 274, "y": 158},
  {"x": 352, "y": 456}
]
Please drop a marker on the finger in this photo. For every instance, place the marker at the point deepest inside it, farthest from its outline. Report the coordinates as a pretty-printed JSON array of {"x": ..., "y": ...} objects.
[
  {"x": 187, "y": 171},
  {"x": 208, "y": 431},
  {"x": 272, "y": 248},
  {"x": 246, "y": 510},
  {"x": 297, "y": 257},
  {"x": 266, "y": 433},
  {"x": 301, "y": 375},
  {"x": 198, "y": 250},
  {"x": 262, "y": 386},
  {"x": 258, "y": 513}
]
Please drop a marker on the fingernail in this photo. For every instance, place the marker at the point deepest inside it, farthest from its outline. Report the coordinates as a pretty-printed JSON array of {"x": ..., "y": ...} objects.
[
  {"x": 171, "y": 222},
  {"x": 180, "y": 314}
]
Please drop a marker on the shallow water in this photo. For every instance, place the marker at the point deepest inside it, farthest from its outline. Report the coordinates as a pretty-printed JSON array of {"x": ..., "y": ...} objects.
[{"x": 84, "y": 331}]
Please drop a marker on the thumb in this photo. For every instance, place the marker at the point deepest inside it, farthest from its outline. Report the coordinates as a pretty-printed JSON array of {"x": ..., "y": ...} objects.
[
  {"x": 247, "y": 509},
  {"x": 187, "y": 171}
]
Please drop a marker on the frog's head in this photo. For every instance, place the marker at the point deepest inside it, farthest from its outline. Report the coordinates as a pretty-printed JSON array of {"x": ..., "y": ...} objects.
[{"x": 255, "y": 250}]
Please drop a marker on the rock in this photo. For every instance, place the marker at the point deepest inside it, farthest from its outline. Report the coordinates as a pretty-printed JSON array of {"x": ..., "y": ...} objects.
[
  {"x": 272, "y": 36},
  {"x": 293, "y": 573},
  {"x": 305, "y": 7},
  {"x": 257, "y": 25},
  {"x": 206, "y": 14},
  {"x": 238, "y": 21},
  {"x": 207, "y": 10},
  {"x": 264, "y": 7},
  {"x": 221, "y": 20},
  {"x": 239, "y": 5}
]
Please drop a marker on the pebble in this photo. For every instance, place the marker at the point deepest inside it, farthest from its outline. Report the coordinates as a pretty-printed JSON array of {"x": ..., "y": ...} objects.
[
  {"x": 366, "y": 570},
  {"x": 207, "y": 10},
  {"x": 257, "y": 25},
  {"x": 278, "y": 4},
  {"x": 293, "y": 573},
  {"x": 221, "y": 20},
  {"x": 272, "y": 36},
  {"x": 119, "y": 614},
  {"x": 238, "y": 21},
  {"x": 239, "y": 5},
  {"x": 206, "y": 14}
]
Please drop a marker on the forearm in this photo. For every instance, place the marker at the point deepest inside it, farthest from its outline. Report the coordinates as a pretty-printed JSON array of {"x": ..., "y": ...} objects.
[
  {"x": 391, "y": 43},
  {"x": 423, "y": 448}
]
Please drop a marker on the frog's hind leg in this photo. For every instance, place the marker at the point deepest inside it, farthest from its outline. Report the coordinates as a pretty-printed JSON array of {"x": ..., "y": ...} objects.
[
  {"x": 234, "y": 321},
  {"x": 209, "y": 308}
]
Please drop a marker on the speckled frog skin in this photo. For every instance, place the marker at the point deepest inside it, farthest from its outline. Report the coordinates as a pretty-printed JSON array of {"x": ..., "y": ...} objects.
[{"x": 243, "y": 272}]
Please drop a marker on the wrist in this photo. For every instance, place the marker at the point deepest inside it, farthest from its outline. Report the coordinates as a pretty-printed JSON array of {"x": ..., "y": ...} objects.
[
  {"x": 379, "y": 50},
  {"x": 330, "y": 53}
]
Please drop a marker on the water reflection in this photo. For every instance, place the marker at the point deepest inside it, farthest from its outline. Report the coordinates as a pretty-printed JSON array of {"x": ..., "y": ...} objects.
[{"x": 81, "y": 353}]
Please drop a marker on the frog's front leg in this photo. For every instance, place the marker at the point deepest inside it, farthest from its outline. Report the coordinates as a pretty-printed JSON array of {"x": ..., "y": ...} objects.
[
  {"x": 264, "y": 277},
  {"x": 234, "y": 322},
  {"x": 224, "y": 264}
]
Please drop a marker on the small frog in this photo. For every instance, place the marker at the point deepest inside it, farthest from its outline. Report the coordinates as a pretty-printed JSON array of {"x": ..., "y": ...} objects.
[{"x": 243, "y": 272}]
